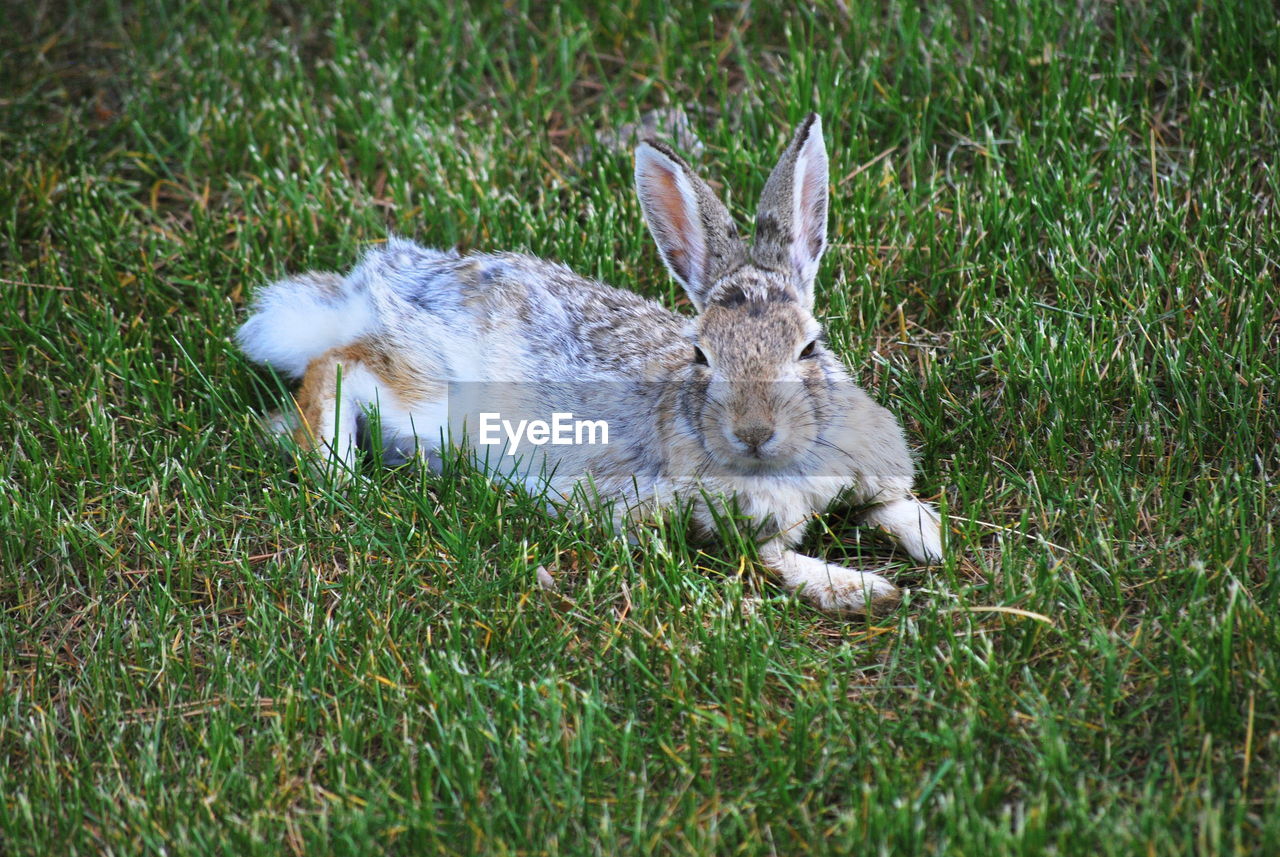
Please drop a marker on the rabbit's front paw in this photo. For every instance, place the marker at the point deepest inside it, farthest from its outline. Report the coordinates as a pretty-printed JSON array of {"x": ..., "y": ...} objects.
[
  {"x": 845, "y": 590},
  {"x": 833, "y": 588},
  {"x": 912, "y": 524}
]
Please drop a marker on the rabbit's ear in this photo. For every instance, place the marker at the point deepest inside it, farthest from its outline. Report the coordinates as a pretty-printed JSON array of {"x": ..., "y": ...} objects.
[
  {"x": 695, "y": 234},
  {"x": 791, "y": 223}
]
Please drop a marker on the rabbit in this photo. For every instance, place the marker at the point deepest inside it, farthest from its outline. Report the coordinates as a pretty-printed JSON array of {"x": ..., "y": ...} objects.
[{"x": 740, "y": 407}]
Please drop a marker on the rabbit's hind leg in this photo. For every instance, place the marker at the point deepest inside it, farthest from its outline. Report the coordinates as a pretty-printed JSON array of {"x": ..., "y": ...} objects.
[
  {"x": 335, "y": 390},
  {"x": 402, "y": 406}
]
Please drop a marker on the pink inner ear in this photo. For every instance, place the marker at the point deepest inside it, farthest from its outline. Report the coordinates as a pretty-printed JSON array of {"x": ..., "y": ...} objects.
[
  {"x": 670, "y": 200},
  {"x": 669, "y": 205}
]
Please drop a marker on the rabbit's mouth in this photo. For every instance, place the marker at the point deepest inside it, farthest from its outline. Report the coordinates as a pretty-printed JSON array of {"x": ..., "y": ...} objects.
[
  {"x": 763, "y": 466},
  {"x": 762, "y": 457}
]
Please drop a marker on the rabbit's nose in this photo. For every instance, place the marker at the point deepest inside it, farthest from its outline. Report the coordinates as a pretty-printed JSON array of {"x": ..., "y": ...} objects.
[{"x": 754, "y": 436}]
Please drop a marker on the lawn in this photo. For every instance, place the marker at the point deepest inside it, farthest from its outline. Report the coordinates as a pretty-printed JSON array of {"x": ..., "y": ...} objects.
[{"x": 1054, "y": 255}]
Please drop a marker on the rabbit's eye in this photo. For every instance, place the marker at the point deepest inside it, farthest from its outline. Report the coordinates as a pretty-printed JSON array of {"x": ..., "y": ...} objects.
[
  {"x": 699, "y": 359},
  {"x": 809, "y": 350}
]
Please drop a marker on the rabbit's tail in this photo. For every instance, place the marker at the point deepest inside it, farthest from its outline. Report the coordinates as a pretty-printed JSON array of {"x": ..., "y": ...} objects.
[{"x": 297, "y": 319}]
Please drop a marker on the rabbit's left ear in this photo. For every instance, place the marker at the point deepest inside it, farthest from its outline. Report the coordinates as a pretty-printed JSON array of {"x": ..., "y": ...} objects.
[
  {"x": 791, "y": 222},
  {"x": 696, "y": 236}
]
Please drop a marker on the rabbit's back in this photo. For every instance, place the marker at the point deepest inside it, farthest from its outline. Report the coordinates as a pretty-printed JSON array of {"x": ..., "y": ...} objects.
[{"x": 512, "y": 317}]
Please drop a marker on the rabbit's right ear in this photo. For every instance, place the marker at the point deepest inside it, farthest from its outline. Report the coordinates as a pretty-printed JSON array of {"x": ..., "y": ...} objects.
[{"x": 695, "y": 234}]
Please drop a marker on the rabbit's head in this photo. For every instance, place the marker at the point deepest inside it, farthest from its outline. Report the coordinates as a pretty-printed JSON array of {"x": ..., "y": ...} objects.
[{"x": 760, "y": 382}]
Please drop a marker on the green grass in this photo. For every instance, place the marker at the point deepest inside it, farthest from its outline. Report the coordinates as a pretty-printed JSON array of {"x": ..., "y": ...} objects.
[{"x": 1062, "y": 274}]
